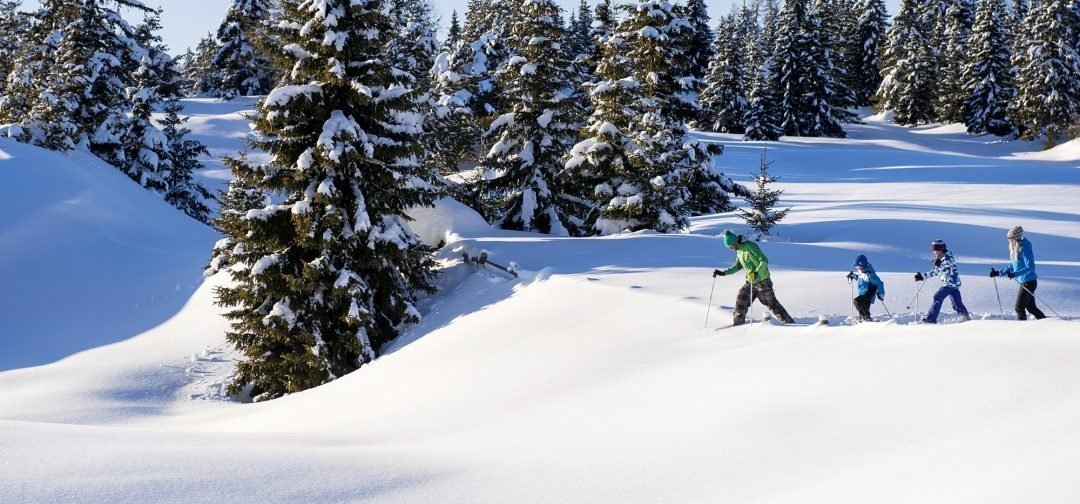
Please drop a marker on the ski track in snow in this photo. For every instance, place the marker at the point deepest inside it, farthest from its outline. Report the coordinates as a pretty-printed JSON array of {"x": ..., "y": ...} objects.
[{"x": 590, "y": 378}]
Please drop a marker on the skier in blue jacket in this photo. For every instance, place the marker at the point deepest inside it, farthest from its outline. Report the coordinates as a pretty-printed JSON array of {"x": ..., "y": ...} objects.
[
  {"x": 869, "y": 284},
  {"x": 1022, "y": 270},
  {"x": 946, "y": 271}
]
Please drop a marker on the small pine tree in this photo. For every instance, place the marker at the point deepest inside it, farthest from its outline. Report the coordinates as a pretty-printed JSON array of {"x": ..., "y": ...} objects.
[
  {"x": 244, "y": 70},
  {"x": 762, "y": 215},
  {"x": 184, "y": 192},
  {"x": 453, "y": 34}
]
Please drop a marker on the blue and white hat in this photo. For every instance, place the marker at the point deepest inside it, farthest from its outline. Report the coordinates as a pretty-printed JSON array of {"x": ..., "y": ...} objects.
[{"x": 1016, "y": 232}]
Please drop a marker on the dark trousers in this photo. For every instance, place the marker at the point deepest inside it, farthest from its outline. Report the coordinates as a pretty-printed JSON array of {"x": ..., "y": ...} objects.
[
  {"x": 862, "y": 302},
  {"x": 763, "y": 291},
  {"x": 1025, "y": 301},
  {"x": 939, "y": 297}
]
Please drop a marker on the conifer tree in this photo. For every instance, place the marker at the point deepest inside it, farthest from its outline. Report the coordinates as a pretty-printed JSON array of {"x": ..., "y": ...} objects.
[
  {"x": 200, "y": 76},
  {"x": 908, "y": 74},
  {"x": 988, "y": 76},
  {"x": 11, "y": 39},
  {"x": 834, "y": 31},
  {"x": 330, "y": 273},
  {"x": 870, "y": 42},
  {"x": 723, "y": 101},
  {"x": 642, "y": 172},
  {"x": 22, "y": 62},
  {"x": 1048, "y": 72},
  {"x": 699, "y": 52},
  {"x": 453, "y": 34},
  {"x": 762, "y": 215},
  {"x": 147, "y": 149},
  {"x": 802, "y": 69},
  {"x": 244, "y": 70},
  {"x": 762, "y": 116},
  {"x": 535, "y": 131},
  {"x": 952, "y": 90}
]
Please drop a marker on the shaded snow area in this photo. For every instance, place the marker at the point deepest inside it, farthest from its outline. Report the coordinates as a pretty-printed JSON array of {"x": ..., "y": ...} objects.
[{"x": 590, "y": 378}]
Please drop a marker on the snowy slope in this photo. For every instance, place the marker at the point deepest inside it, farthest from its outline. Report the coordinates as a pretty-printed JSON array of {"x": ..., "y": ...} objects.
[{"x": 592, "y": 378}]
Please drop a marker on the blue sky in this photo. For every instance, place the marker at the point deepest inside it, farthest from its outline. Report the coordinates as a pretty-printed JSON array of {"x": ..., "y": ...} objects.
[{"x": 186, "y": 21}]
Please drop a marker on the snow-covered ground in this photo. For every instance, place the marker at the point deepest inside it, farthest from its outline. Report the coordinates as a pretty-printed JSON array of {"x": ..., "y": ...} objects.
[{"x": 592, "y": 377}]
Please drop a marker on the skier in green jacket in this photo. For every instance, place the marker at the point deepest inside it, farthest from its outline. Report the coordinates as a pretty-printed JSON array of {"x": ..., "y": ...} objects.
[{"x": 749, "y": 256}]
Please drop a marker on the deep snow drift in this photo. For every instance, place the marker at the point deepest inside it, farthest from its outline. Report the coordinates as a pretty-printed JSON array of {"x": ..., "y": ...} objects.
[{"x": 589, "y": 379}]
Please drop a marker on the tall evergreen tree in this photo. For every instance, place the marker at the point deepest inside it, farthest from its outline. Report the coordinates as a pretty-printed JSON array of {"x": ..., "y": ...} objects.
[
  {"x": 952, "y": 91},
  {"x": 908, "y": 76},
  {"x": 200, "y": 76},
  {"x": 699, "y": 52},
  {"x": 802, "y": 69},
  {"x": 453, "y": 34},
  {"x": 244, "y": 69},
  {"x": 723, "y": 101},
  {"x": 644, "y": 173},
  {"x": 763, "y": 116},
  {"x": 1048, "y": 72},
  {"x": 535, "y": 130},
  {"x": 183, "y": 192},
  {"x": 21, "y": 42},
  {"x": 988, "y": 75},
  {"x": 870, "y": 41},
  {"x": 330, "y": 273},
  {"x": 835, "y": 28}
]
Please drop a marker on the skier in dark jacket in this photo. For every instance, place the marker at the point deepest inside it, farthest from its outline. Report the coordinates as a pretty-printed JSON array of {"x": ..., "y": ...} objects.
[
  {"x": 869, "y": 284},
  {"x": 1022, "y": 270},
  {"x": 945, "y": 269},
  {"x": 748, "y": 256}
]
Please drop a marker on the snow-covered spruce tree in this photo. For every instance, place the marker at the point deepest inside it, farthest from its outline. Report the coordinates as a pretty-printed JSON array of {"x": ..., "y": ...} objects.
[
  {"x": 870, "y": 41},
  {"x": 835, "y": 28},
  {"x": 951, "y": 90},
  {"x": 145, "y": 146},
  {"x": 11, "y": 39},
  {"x": 200, "y": 76},
  {"x": 988, "y": 74},
  {"x": 581, "y": 38},
  {"x": 1048, "y": 72},
  {"x": 329, "y": 274},
  {"x": 241, "y": 196},
  {"x": 723, "y": 100},
  {"x": 762, "y": 214},
  {"x": 453, "y": 33},
  {"x": 535, "y": 131},
  {"x": 21, "y": 41},
  {"x": 802, "y": 69},
  {"x": 681, "y": 39},
  {"x": 908, "y": 75},
  {"x": 243, "y": 69},
  {"x": 699, "y": 49},
  {"x": 184, "y": 192},
  {"x": 647, "y": 174},
  {"x": 762, "y": 116}
]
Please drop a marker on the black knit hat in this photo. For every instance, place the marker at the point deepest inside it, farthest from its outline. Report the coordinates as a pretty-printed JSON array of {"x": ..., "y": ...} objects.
[{"x": 938, "y": 245}]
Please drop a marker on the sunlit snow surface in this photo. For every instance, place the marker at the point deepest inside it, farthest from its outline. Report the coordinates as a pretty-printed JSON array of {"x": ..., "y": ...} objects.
[{"x": 592, "y": 377}]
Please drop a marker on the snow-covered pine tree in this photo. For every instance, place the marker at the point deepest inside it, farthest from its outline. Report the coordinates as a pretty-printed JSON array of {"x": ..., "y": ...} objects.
[
  {"x": 681, "y": 42},
  {"x": 11, "y": 39},
  {"x": 21, "y": 41},
  {"x": 762, "y": 214},
  {"x": 581, "y": 36},
  {"x": 241, "y": 196},
  {"x": 244, "y": 70},
  {"x": 762, "y": 117},
  {"x": 723, "y": 99},
  {"x": 699, "y": 52},
  {"x": 803, "y": 70},
  {"x": 870, "y": 42},
  {"x": 531, "y": 136},
  {"x": 200, "y": 76},
  {"x": 145, "y": 146},
  {"x": 909, "y": 68},
  {"x": 1048, "y": 72},
  {"x": 951, "y": 90},
  {"x": 645, "y": 173},
  {"x": 330, "y": 273},
  {"x": 988, "y": 74},
  {"x": 453, "y": 33},
  {"x": 184, "y": 192},
  {"x": 835, "y": 28}
]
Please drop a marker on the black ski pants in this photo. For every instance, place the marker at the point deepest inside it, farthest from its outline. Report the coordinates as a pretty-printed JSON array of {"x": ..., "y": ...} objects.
[
  {"x": 862, "y": 302},
  {"x": 763, "y": 291},
  {"x": 1025, "y": 302}
]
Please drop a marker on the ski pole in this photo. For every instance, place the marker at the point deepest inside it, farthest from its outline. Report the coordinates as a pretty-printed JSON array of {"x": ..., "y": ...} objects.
[
  {"x": 851, "y": 308},
  {"x": 1037, "y": 297},
  {"x": 887, "y": 312},
  {"x": 709, "y": 308},
  {"x": 1000, "y": 309}
]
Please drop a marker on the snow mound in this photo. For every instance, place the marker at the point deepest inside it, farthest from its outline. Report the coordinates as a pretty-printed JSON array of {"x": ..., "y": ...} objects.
[{"x": 87, "y": 257}]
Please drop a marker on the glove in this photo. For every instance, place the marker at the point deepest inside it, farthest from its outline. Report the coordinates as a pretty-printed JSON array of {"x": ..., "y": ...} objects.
[
  {"x": 994, "y": 273},
  {"x": 851, "y": 275},
  {"x": 881, "y": 296},
  {"x": 919, "y": 277},
  {"x": 751, "y": 276},
  {"x": 937, "y": 261},
  {"x": 716, "y": 273},
  {"x": 1010, "y": 274}
]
